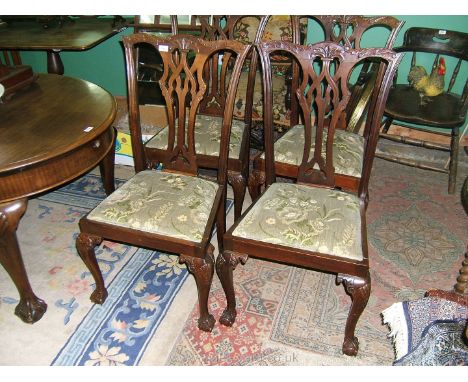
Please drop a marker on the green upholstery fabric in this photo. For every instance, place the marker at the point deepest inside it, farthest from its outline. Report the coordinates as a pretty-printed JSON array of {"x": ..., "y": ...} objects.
[
  {"x": 278, "y": 28},
  {"x": 313, "y": 219},
  {"x": 207, "y": 136},
  {"x": 281, "y": 115},
  {"x": 348, "y": 150},
  {"x": 168, "y": 204}
]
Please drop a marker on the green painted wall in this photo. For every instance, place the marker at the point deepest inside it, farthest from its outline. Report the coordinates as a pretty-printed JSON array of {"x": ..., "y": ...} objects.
[{"x": 104, "y": 64}]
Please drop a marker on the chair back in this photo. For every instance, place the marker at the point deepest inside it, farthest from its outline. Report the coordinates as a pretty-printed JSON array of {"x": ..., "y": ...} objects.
[
  {"x": 246, "y": 29},
  {"x": 441, "y": 42},
  {"x": 243, "y": 28},
  {"x": 184, "y": 85},
  {"x": 227, "y": 28},
  {"x": 350, "y": 31},
  {"x": 10, "y": 58},
  {"x": 323, "y": 94}
]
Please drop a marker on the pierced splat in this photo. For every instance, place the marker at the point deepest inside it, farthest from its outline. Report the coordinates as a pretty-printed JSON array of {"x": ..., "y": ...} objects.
[
  {"x": 322, "y": 97},
  {"x": 220, "y": 65},
  {"x": 213, "y": 102},
  {"x": 182, "y": 86}
]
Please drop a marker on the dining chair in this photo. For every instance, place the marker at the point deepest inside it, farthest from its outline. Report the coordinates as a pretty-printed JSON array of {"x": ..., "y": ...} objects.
[
  {"x": 311, "y": 223},
  {"x": 254, "y": 29},
  {"x": 173, "y": 209},
  {"x": 445, "y": 112},
  {"x": 351, "y": 139},
  {"x": 10, "y": 58},
  {"x": 149, "y": 64},
  {"x": 210, "y": 116},
  {"x": 14, "y": 76}
]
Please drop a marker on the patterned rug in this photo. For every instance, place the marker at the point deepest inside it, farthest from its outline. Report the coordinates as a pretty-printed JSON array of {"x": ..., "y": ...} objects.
[
  {"x": 291, "y": 316},
  {"x": 429, "y": 331},
  {"x": 286, "y": 315},
  {"x": 142, "y": 285}
]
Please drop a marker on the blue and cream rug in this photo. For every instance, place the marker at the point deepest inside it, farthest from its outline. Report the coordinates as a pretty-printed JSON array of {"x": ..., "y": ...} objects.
[
  {"x": 286, "y": 316},
  {"x": 142, "y": 285}
]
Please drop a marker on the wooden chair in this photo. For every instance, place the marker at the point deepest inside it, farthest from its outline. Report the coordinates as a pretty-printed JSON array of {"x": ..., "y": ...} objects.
[
  {"x": 310, "y": 223},
  {"x": 408, "y": 107},
  {"x": 175, "y": 209},
  {"x": 274, "y": 27},
  {"x": 10, "y": 58},
  {"x": 211, "y": 112},
  {"x": 149, "y": 63},
  {"x": 13, "y": 74},
  {"x": 349, "y": 142}
]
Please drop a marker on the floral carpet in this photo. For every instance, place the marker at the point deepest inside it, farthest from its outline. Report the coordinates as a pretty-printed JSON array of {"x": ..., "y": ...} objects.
[
  {"x": 286, "y": 315},
  {"x": 141, "y": 283},
  {"x": 417, "y": 237}
]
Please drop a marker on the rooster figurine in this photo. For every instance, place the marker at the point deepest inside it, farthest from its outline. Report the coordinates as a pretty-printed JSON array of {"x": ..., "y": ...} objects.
[{"x": 428, "y": 85}]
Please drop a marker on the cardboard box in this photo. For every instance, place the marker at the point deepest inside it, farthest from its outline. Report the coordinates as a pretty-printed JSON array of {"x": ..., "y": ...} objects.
[{"x": 153, "y": 119}]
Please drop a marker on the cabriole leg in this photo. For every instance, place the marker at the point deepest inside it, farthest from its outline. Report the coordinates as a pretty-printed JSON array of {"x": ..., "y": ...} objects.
[
  {"x": 359, "y": 290},
  {"x": 239, "y": 184},
  {"x": 85, "y": 244},
  {"x": 225, "y": 264},
  {"x": 203, "y": 270},
  {"x": 30, "y": 308},
  {"x": 256, "y": 180}
]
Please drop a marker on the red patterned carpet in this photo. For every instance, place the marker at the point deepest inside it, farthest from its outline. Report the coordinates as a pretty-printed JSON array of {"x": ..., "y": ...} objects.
[{"x": 291, "y": 316}]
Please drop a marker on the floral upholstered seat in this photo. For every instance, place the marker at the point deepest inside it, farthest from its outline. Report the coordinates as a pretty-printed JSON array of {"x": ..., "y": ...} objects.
[
  {"x": 162, "y": 203},
  {"x": 207, "y": 136},
  {"x": 281, "y": 112},
  {"x": 313, "y": 219},
  {"x": 348, "y": 150}
]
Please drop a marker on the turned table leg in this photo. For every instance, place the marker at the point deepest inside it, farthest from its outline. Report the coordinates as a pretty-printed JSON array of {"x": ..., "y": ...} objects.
[
  {"x": 462, "y": 279},
  {"x": 30, "y": 308},
  {"x": 54, "y": 62}
]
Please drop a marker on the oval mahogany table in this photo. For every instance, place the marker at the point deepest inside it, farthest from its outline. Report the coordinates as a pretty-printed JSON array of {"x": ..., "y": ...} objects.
[{"x": 50, "y": 133}]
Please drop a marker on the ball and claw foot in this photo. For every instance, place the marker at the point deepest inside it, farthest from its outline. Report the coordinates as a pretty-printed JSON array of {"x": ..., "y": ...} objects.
[
  {"x": 31, "y": 311},
  {"x": 99, "y": 296},
  {"x": 206, "y": 323},
  {"x": 351, "y": 346},
  {"x": 228, "y": 317}
]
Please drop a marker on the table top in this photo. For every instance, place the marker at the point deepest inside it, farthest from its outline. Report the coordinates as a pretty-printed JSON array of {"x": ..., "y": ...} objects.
[
  {"x": 53, "y": 116},
  {"x": 82, "y": 34}
]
